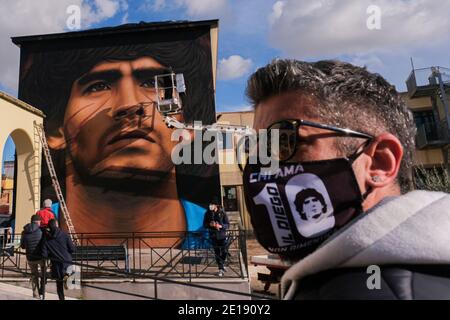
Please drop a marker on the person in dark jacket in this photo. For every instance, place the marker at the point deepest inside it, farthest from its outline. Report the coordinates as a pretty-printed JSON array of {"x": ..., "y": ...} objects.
[
  {"x": 216, "y": 221},
  {"x": 31, "y": 241},
  {"x": 58, "y": 247}
]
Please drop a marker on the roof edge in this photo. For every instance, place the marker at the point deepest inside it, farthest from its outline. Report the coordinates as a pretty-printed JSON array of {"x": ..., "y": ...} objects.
[
  {"x": 120, "y": 29},
  {"x": 21, "y": 104}
]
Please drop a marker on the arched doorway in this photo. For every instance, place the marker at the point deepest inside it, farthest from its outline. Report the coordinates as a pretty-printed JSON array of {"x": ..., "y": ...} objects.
[
  {"x": 8, "y": 171},
  {"x": 18, "y": 123}
]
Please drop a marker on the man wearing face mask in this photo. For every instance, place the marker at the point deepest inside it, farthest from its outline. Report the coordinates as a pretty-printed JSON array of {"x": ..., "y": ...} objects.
[
  {"x": 216, "y": 221},
  {"x": 340, "y": 199}
]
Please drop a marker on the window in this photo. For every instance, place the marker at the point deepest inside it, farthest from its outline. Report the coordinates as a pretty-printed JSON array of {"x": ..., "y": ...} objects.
[
  {"x": 426, "y": 119},
  {"x": 230, "y": 202}
]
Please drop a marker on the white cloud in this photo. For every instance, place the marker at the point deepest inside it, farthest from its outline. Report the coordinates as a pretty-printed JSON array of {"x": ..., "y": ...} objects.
[
  {"x": 124, "y": 5},
  {"x": 311, "y": 28},
  {"x": 28, "y": 17},
  {"x": 102, "y": 9},
  {"x": 153, "y": 5},
  {"x": 371, "y": 61},
  {"x": 193, "y": 9},
  {"x": 233, "y": 67},
  {"x": 203, "y": 8},
  {"x": 277, "y": 11}
]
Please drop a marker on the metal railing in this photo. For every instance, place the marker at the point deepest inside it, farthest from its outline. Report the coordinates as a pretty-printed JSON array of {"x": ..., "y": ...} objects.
[
  {"x": 156, "y": 281},
  {"x": 437, "y": 137},
  {"x": 425, "y": 78},
  {"x": 182, "y": 255}
]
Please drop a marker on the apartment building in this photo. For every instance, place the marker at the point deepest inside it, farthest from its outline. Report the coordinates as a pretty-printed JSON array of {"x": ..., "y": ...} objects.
[{"x": 428, "y": 97}]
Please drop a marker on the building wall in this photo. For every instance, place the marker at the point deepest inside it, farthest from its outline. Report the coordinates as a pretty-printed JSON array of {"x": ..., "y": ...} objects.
[
  {"x": 7, "y": 187},
  {"x": 426, "y": 157},
  {"x": 8, "y": 170},
  {"x": 6, "y": 196},
  {"x": 417, "y": 103},
  {"x": 230, "y": 174},
  {"x": 17, "y": 120}
]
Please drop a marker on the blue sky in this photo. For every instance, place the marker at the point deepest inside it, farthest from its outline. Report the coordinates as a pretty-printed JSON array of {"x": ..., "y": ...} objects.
[
  {"x": 253, "y": 32},
  {"x": 8, "y": 154}
]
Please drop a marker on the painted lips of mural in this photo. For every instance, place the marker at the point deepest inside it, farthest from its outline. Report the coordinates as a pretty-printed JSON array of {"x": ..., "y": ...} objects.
[
  {"x": 131, "y": 135},
  {"x": 137, "y": 139}
]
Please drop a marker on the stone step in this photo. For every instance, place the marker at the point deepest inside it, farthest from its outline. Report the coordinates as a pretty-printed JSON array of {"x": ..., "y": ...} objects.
[{"x": 12, "y": 292}]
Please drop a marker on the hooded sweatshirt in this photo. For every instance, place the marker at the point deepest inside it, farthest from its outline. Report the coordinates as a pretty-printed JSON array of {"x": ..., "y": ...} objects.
[{"x": 413, "y": 229}]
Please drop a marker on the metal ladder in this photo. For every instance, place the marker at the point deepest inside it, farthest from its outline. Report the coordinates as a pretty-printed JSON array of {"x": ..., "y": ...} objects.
[{"x": 55, "y": 182}]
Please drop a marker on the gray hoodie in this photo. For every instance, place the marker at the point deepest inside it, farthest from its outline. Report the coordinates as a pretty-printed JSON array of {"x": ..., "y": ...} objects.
[{"x": 413, "y": 229}]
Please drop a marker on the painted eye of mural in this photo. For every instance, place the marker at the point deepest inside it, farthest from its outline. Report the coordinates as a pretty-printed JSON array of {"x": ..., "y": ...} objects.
[{"x": 96, "y": 87}]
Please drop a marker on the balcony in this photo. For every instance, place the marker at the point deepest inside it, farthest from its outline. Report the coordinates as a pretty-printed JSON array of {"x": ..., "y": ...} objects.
[
  {"x": 432, "y": 137},
  {"x": 422, "y": 82}
]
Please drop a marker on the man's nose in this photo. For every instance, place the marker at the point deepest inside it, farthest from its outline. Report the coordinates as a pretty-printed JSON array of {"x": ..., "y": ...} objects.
[
  {"x": 133, "y": 111},
  {"x": 127, "y": 102}
]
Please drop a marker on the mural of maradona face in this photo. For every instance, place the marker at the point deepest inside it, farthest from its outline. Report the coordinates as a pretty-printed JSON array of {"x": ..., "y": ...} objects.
[
  {"x": 110, "y": 145},
  {"x": 111, "y": 125}
]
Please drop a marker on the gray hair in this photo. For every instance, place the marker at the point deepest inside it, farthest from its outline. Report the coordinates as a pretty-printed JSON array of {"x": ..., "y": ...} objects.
[
  {"x": 48, "y": 203},
  {"x": 342, "y": 89}
]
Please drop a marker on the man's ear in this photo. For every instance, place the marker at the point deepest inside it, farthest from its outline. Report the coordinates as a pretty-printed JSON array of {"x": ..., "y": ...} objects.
[
  {"x": 57, "y": 140},
  {"x": 386, "y": 153}
]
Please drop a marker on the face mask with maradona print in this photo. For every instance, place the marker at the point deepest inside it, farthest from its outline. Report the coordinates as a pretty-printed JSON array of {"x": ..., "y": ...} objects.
[{"x": 296, "y": 207}]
